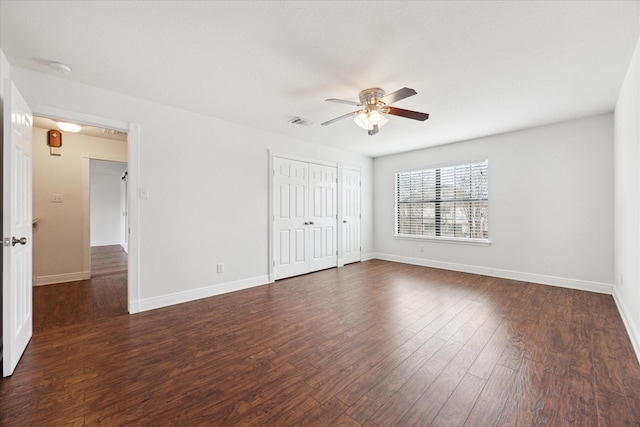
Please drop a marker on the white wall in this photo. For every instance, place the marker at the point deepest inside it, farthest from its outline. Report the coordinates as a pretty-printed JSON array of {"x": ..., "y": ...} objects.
[
  {"x": 550, "y": 205},
  {"x": 106, "y": 209},
  {"x": 208, "y": 190},
  {"x": 4, "y": 71},
  {"x": 627, "y": 200}
]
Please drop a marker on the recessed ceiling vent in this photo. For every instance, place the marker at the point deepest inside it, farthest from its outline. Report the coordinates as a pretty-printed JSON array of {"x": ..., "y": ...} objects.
[
  {"x": 301, "y": 122},
  {"x": 112, "y": 132}
]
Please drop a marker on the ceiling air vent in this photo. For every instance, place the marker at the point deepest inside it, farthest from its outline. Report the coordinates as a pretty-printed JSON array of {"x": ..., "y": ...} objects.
[
  {"x": 112, "y": 132},
  {"x": 301, "y": 122}
]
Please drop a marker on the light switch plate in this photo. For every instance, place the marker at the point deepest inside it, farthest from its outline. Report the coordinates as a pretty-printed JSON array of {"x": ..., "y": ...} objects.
[{"x": 57, "y": 198}]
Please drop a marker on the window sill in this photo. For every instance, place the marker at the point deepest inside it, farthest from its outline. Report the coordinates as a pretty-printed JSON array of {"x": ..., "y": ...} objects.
[{"x": 457, "y": 240}]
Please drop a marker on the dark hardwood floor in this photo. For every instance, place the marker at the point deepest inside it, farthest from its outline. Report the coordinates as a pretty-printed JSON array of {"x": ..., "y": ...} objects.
[
  {"x": 371, "y": 344},
  {"x": 107, "y": 260},
  {"x": 103, "y": 296}
]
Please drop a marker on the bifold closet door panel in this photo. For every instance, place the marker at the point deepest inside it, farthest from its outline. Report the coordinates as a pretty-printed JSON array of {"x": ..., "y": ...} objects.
[
  {"x": 290, "y": 205},
  {"x": 322, "y": 217}
]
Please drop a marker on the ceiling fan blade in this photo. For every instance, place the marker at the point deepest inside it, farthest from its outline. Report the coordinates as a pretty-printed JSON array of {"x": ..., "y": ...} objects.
[
  {"x": 342, "y": 101},
  {"x": 340, "y": 118},
  {"x": 403, "y": 93},
  {"x": 415, "y": 115}
]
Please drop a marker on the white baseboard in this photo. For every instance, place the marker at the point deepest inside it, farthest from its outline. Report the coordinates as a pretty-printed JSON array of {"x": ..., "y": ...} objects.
[
  {"x": 632, "y": 331},
  {"x": 62, "y": 278},
  {"x": 110, "y": 243},
  {"x": 195, "y": 294},
  {"x": 583, "y": 285},
  {"x": 367, "y": 257}
]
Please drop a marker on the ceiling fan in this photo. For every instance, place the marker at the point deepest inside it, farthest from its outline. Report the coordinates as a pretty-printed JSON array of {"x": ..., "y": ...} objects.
[{"x": 375, "y": 104}]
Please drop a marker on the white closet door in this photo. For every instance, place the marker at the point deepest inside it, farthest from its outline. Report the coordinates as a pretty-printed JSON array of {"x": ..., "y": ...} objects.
[
  {"x": 350, "y": 216},
  {"x": 322, "y": 217},
  {"x": 290, "y": 204}
]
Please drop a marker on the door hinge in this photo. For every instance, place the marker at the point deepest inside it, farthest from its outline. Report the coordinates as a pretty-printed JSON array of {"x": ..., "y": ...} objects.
[
  {"x": 6, "y": 241},
  {"x": 274, "y": 262}
]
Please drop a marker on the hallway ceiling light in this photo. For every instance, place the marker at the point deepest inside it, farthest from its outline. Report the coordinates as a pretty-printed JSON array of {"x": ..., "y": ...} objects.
[
  {"x": 69, "y": 127},
  {"x": 60, "y": 67}
]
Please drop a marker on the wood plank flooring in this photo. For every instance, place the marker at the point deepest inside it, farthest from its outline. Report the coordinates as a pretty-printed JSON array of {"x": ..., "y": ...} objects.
[
  {"x": 371, "y": 344},
  {"x": 106, "y": 260},
  {"x": 101, "y": 297}
]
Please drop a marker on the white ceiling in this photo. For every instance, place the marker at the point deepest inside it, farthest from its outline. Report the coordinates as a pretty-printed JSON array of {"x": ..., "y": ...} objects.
[{"x": 479, "y": 67}]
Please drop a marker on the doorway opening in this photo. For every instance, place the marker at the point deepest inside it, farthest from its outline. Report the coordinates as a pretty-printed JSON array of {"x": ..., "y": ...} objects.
[
  {"x": 80, "y": 234},
  {"x": 108, "y": 217}
]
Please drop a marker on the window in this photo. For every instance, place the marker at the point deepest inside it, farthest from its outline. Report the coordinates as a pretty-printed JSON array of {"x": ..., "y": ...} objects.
[{"x": 446, "y": 202}]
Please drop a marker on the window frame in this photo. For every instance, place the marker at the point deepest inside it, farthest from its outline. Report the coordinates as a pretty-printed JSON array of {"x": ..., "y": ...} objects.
[{"x": 443, "y": 239}]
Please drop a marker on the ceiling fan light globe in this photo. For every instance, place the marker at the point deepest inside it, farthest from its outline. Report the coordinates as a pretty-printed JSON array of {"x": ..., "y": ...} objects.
[
  {"x": 362, "y": 121},
  {"x": 383, "y": 121},
  {"x": 375, "y": 117}
]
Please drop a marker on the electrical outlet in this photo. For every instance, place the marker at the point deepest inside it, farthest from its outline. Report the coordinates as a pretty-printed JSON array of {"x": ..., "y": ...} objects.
[{"x": 220, "y": 268}]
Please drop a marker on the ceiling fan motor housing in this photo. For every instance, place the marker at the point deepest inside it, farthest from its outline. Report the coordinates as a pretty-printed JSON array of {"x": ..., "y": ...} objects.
[
  {"x": 371, "y": 99},
  {"x": 371, "y": 96}
]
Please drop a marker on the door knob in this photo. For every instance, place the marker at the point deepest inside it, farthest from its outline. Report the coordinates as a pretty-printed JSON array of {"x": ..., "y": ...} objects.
[
  {"x": 22, "y": 241},
  {"x": 344, "y": 221},
  {"x": 306, "y": 223},
  {"x": 310, "y": 222}
]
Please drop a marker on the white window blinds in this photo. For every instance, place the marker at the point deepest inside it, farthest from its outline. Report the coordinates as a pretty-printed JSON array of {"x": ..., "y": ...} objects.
[{"x": 449, "y": 202}]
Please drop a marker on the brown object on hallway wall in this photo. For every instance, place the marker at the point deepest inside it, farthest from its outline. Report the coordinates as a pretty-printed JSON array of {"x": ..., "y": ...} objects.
[{"x": 55, "y": 138}]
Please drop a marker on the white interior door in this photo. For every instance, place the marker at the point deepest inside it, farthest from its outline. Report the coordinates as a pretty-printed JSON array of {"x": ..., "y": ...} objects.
[
  {"x": 290, "y": 193},
  {"x": 17, "y": 229},
  {"x": 322, "y": 217},
  {"x": 350, "y": 216}
]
